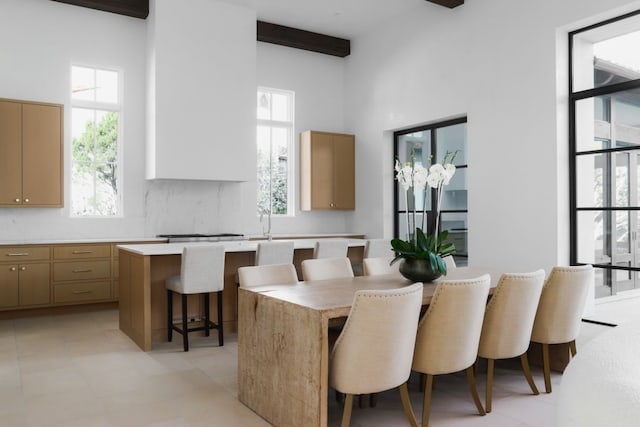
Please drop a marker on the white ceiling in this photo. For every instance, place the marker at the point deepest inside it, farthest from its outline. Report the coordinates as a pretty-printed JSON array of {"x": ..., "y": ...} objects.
[{"x": 339, "y": 18}]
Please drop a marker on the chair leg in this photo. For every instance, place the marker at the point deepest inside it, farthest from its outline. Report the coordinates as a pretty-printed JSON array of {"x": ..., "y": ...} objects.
[
  {"x": 373, "y": 400},
  {"x": 474, "y": 392},
  {"x": 185, "y": 330},
  {"x": 524, "y": 361},
  {"x": 426, "y": 405},
  {"x": 346, "y": 413},
  {"x": 169, "y": 315},
  {"x": 489, "y": 390},
  {"x": 206, "y": 314},
  {"x": 406, "y": 405},
  {"x": 220, "y": 328},
  {"x": 362, "y": 401},
  {"x": 546, "y": 368},
  {"x": 572, "y": 347}
]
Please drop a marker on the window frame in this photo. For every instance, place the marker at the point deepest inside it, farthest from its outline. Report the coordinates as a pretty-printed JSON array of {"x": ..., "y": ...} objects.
[
  {"x": 290, "y": 127},
  {"x": 574, "y": 97},
  {"x": 115, "y": 107},
  {"x": 433, "y": 130}
]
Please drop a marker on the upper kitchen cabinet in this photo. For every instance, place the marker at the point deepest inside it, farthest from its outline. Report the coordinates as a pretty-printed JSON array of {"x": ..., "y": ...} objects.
[
  {"x": 31, "y": 173},
  {"x": 327, "y": 171},
  {"x": 201, "y": 122}
]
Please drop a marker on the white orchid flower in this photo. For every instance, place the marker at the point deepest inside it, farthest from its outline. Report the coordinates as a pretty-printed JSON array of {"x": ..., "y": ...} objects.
[
  {"x": 436, "y": 175},
  {"x": 404, "y": 175},
  {"x": 449, "y": 171},
  {"x": 420, "y": 177}
]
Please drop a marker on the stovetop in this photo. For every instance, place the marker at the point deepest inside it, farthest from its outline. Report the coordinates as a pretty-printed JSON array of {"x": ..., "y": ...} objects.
[{"x": 197, "y": 237}]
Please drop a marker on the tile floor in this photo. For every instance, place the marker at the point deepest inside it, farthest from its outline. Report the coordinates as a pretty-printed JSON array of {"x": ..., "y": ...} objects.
[{"x": 80, "y": 370}]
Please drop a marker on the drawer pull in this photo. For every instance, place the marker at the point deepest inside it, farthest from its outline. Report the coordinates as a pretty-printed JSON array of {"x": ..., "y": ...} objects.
[
  {"x": 19, "y": 254},
  {"x": 81, "y": 292},
  {"x": 87, "y": 270},
  {"x": 81, "y": 252}
]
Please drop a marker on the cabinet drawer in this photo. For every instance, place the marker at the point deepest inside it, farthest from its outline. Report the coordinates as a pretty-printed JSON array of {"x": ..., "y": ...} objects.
[
  {"x": 75, "y": 292},
  {"x": 81, "y": 270},
  {"x": 82, "y": 251},
  {"x": 23, "y": 253}
]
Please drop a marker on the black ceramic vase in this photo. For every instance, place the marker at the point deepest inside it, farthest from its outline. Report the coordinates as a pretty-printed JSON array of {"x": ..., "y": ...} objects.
[{"x": 418, "y": 270}]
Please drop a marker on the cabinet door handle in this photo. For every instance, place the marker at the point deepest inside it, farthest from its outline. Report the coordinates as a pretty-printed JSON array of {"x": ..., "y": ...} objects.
[
  {"x": 81, "y": 252},
  {"x": 17, "y": 200},
  {"x": 23, "y": 268},
  {"x": 12, "y": 269},
  {"x": 19, "y": 254},
  {"x": 81, "y": 292},
  {"x": 26, "y": 200},
  {"x": 88, "y": 270}
]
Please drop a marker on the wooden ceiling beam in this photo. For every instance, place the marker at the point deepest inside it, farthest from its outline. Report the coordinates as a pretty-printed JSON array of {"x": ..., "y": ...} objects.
[
  {"x": 448, "y": 3},
  {"x": 301, "y": 39},
  {"x": 133, "y": 8}
]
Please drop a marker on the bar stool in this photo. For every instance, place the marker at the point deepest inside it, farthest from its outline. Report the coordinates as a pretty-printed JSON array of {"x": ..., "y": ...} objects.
[
  {"x": 202, "y": 272},
  {"x": 274, "y": 252},
  {"x": 331, "y": 248}
]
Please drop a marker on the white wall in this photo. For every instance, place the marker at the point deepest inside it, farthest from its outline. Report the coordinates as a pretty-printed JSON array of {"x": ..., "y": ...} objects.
[
  {"x": 500, "y": 63},
  {"x": 39, "y": 40},
  {"x": 36, "y": 66},
  {"x": 318, "y": 82}
]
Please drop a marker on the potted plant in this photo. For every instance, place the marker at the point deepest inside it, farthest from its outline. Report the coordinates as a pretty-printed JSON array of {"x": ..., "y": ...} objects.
[{"x": 422, "y": 254}]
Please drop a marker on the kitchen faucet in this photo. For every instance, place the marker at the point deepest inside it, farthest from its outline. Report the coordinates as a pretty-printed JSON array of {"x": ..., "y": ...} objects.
[{"x": 264, "y": 211}]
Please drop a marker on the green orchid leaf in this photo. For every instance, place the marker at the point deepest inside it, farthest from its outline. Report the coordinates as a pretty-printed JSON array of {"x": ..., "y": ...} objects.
[{"x": 422, "y": 242}]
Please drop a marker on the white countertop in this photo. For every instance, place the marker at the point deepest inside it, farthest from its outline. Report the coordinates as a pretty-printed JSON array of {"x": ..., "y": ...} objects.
[
  {"x": 79, "y": 241},
  {"x": 234, "y": 246},
  {"x": 304, "y": 236}
]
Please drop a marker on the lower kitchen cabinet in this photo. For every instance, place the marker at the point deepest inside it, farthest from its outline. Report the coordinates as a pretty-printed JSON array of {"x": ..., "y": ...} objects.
[
  {"x": 24, "y": 276},
  {"x": 82, "y": 273},
  {"x": 35, "y": 276}
]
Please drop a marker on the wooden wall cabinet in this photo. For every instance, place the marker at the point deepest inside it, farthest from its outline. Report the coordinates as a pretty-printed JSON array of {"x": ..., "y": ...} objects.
[
  {"x": 327, "y": 171},
  {"x": 31, "y": 154},
  {"x": 24, "y": 276}
]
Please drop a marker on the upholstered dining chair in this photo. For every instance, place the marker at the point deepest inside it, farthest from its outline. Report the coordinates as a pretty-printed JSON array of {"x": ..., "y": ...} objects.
[
  {"x": 274, "y": 252},
  {"x": 560, "y": 311},
  {"x": 331, "y": 248},
  {"x": 326, "y": 268},
  {"x": 267, "y": 275},
  {"x": 449, "y": 334},
  {"x": 373, "y": 352},
  {"x": 508, "y": 321},
  {"x": 201, "y": 272},
  {"x": 379, "y": 265},
  {"x": 377, "y": 248}
]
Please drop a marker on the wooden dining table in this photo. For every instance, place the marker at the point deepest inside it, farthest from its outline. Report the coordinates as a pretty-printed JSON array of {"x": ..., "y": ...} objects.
[{"x": 283, "y": 342}]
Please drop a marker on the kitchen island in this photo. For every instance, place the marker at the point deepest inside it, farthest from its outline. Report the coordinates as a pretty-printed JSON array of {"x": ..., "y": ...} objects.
[{"x": 144, "y": 268}]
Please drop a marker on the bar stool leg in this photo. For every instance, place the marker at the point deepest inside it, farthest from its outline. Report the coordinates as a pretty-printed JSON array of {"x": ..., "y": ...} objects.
[
  {"x": 206, "y": 314},
  {"x": 220, "y": 329},
  {"x": 185, "y": 330},
  {"x": 169, "y": 315}
]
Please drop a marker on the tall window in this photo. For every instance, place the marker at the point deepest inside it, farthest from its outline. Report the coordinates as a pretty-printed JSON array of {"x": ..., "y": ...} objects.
[
  {"x": 429, "y": 144},
  {"x": 275, "y": 145},
  {"x": 604, "y": 105},
  {"x": 95, "y": 116}
]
